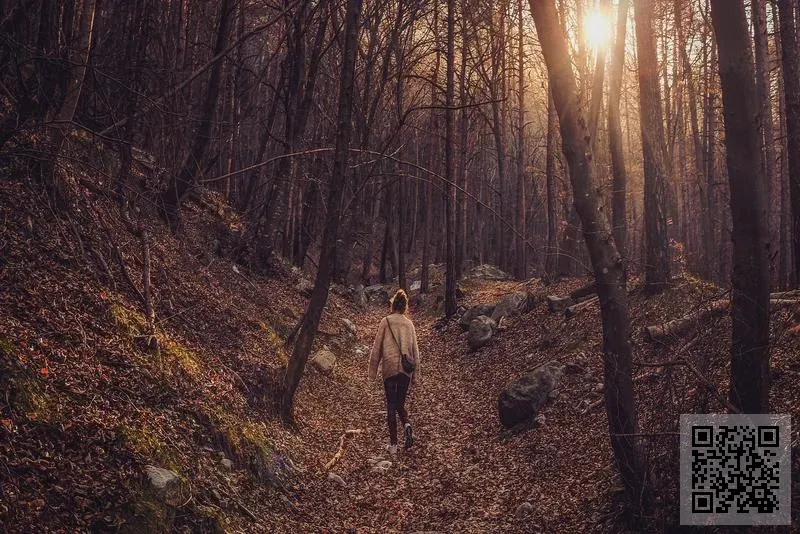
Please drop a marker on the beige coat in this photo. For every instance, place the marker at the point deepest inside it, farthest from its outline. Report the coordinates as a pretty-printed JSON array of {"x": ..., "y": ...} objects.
[{"x": 386, "y": 352}]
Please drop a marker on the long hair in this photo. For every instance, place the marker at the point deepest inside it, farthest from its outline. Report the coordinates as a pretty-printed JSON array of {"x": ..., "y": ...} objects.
[{"x": 399, "y": 302}]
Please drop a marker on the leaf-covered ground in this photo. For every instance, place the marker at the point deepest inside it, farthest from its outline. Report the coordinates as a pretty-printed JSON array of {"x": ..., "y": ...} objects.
[{"x": 83, "y": 407}]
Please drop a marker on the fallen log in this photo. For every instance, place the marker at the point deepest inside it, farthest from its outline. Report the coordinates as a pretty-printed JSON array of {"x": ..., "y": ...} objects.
[
  {"x": 585, "y": 291},
  {"x": 573, "y": 310},
  {"x": 687, "y": 323},
  {"x": 558, "y": 304}
]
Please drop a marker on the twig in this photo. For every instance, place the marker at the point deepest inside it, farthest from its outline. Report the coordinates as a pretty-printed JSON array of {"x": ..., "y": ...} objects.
[
  {"x": 238, "y": 503},
  {"x": 340, "y": 452}
]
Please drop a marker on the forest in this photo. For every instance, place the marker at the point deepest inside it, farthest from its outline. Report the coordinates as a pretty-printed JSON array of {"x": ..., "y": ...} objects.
[{"x": 207, "y": 209}]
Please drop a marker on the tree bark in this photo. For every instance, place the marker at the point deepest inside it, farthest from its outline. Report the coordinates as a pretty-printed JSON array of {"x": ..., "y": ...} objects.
[
  {"x": 750, "y": 280},
  {"x": 656, "y": 264},
  {"x": 763, "y": 85},
  {"x": 619, "y": 190},
  {"x": 551, "y": 265},
  {"x": 521, "y": 218},
  {"x": 450, "y": 303},
  {"x": 791, "y": 84},
  {"x": 319, "y": 295},
  {"x": 607, "y": 263}
]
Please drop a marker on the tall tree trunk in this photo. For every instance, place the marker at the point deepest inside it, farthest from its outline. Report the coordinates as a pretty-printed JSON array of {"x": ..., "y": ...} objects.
[
  {"x": 186, "y": 178},
  {"x": 785, "y": 204},
  {"x": 709, "y": 141},
  {"x": 759, "y": 17},
  {"x": 656, "y": 265},
  {"x": 619, "y": 220},
  {"x": 461, "y": 211},
  {"x": 319, "y": 295},
  {"x": 791, "y": 84},
  {"x": 706, "y": 233},
  {"x": 450, "y": 303},
  {"x": 521, "y": 219},
  {"x": 551, "y": 262},
  {"x": 299, "y": 92},
  {"x": 606, "y": 261},
  {"x": 750, "y": 281}
]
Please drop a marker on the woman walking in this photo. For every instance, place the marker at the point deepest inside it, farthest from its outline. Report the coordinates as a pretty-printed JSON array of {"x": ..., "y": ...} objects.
[{"x": 395, "y": 349}]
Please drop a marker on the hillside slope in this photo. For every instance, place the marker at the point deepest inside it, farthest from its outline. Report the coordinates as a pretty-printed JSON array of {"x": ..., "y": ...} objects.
[{"x": 85, "y": 406}]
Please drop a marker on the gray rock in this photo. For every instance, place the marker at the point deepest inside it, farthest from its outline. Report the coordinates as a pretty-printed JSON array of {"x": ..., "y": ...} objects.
[
  {"x": 511, "y": 305},
  {"x": 481, "y": 330},
  {"x": 333, "y": 477},
  {"x": 378, "y": 294},
  {"x": 162, "y": 479},
  {"x": 415, "y": 286},
  {"x": 324, "y": 360},
  {"x": 382, "y": 467},
  {"x": 521, "y": 400},
  {"x": 558, "y": 304},
  {"x": 571, "y": 368},
  {"x": 227, "y": 463},
  {"x": 474, "y": 312},
  {"x": 523, "y": 510},
  {"x": 487, "y": 272},
  {"x": 359, "y": 296},
  {"x": 304, "y": 287},
  {"x": 350, "y": 326},
  {"x": 598, "y": 388}
]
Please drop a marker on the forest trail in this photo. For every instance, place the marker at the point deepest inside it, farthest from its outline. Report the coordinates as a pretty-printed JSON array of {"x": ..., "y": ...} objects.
[{"x": 462, "y": 475}]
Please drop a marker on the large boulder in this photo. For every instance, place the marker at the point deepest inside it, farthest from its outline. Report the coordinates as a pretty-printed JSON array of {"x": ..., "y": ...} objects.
[
  {"x": 378, "y": 294},
  {"x": 481, "y": 330},
  {"x": 324, "y": 360},
  {"x": 359, "y": 296},
  {"x": 487, "y": 272},
  {"x": 474, "y": 312},
  {"x": 511, "y": 305},
  {"x": 521, "y": 400}
]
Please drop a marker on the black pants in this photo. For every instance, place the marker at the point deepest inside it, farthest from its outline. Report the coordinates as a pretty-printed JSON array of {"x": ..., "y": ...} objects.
[{"x": 396, "y": 388}]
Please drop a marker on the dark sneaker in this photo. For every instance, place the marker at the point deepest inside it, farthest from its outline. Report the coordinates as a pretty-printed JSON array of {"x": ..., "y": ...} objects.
[{"x": 409, "y": 437}]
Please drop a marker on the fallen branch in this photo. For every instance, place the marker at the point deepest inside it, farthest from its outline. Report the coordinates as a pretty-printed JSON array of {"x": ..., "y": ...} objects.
[
  {"x": 558, "y": 304},
  {"x": 688, "y": 323},
  {"x": 573, "y": 310},
  {"x": 342, "y": 443}
]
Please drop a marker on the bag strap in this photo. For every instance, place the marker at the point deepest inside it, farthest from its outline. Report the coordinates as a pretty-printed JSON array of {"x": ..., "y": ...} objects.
[{"x": 389, "y": 324}]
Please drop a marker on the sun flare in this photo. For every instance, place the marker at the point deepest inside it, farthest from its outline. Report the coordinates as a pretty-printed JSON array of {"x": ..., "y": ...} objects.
[{"x": 597, "y": 29}]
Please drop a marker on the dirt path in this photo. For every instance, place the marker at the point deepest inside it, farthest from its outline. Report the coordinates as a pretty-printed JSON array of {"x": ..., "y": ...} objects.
[{"x": 461, "y": 475}]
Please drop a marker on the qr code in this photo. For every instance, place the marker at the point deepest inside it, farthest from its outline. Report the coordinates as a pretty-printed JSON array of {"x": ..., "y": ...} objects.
[{"x": 735, "y": 469}]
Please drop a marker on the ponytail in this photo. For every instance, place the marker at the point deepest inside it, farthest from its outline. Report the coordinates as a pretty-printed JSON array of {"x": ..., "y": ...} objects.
[{"x": 399, "y": 302}]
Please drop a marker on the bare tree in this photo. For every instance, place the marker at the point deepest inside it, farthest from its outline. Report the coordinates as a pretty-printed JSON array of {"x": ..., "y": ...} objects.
[
  {"x": 619, "y": 190},
  {"x": 791, "y": 83},
  {"x": 450, "y": 303},
  {"x": 656, "y": 263},
  {"x": 606, "y": 261},
  {"x": 750, "y": 280},
  {"x": 319, "y": 295}
]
